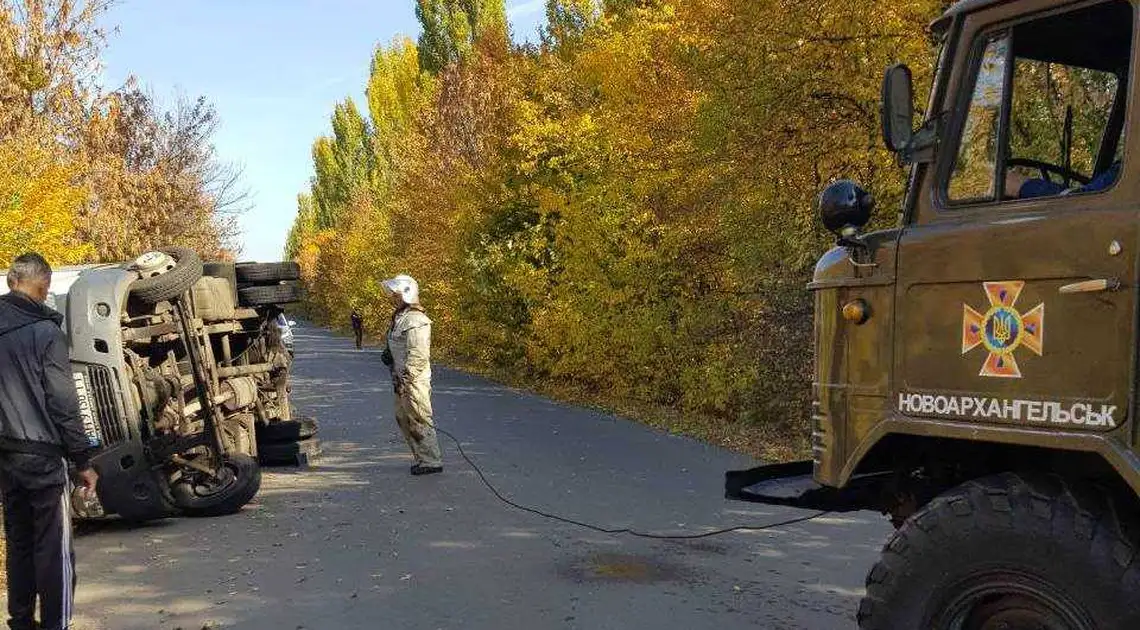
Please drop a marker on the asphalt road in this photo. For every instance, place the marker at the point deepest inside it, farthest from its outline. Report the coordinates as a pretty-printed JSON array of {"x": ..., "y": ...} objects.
[{"x": 358, "y": 543}]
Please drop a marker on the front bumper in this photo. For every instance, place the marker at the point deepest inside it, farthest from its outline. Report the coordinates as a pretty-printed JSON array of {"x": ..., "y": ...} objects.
[
  {"x": 792, "y": 484},
  {"x": 128, "y": 485}
]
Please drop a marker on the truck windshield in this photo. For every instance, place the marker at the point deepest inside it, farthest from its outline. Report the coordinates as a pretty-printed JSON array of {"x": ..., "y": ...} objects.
[{"x": 1046, "y": 115}]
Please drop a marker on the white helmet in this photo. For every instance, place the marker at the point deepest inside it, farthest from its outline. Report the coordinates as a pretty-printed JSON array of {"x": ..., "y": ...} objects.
[{"x": 404, "y": 286}]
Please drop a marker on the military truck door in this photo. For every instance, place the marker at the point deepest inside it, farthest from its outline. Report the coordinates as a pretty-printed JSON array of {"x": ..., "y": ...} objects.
[{"x": 1017, "y": 295}]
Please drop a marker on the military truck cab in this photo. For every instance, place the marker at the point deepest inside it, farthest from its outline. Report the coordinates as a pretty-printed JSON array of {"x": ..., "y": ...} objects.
[{"x": 976, "y": 366}]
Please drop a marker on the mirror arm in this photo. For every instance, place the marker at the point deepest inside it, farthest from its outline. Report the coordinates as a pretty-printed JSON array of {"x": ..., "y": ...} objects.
[
  {"x": 924, "y": 143},
  {"x": 855, "y": 246}
]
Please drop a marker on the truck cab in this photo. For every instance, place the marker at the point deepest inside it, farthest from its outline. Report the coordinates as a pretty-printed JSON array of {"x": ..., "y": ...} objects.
[{"x": 976, "y": 364}]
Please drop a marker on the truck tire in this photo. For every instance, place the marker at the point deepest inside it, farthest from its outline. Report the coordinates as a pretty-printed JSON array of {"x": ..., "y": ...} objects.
[
  {"x": 295, "y": 453},
  {"x": 269, "y": 295},
  {"x": 267, "y": 273},
  {"x": 284, "y": 431},
  {"x": 242, "y": 484},
  {"x": 173, "y": 283},
  {"x": 1009, "y": 551}
]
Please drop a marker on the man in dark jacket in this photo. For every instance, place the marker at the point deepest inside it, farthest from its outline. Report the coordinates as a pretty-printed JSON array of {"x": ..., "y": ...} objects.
[
  {"x": 358, "y": 328},
  {"x": 40, "y": 426}
]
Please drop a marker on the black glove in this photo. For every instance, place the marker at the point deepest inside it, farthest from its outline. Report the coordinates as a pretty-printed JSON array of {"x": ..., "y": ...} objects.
[{"x": 386, "y": 357}]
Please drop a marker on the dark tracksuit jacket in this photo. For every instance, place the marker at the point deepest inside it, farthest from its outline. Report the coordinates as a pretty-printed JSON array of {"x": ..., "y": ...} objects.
[{"x": 40, "y": 426}]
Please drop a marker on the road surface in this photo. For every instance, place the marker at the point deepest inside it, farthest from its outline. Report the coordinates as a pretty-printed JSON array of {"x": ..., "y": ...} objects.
[{"x": 358, "y": 543}]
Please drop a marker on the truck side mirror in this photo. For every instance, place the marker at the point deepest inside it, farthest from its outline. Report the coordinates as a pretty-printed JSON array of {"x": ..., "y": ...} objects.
[{"x": 898, "y": 108}]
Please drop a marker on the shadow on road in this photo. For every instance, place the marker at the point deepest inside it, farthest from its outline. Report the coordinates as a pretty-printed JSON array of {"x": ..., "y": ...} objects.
[{"x": 357, "y": 543}]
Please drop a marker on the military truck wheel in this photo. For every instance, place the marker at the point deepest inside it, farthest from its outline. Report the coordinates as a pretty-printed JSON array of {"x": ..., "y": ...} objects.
[
  {"x": 166, "y": 277},
  {"x": 199, "y": 495},
  {"x": 1009, "y": 552},
  {"x": 269, "y": 295},
  {"x": 260, "y": 273}
]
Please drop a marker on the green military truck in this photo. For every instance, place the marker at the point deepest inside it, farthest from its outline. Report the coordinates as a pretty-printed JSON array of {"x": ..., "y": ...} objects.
[{"x": 976, "y": 366}]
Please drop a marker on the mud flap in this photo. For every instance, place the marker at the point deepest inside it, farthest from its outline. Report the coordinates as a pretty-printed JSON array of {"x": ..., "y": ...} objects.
[{"x": 792, "y": 484}]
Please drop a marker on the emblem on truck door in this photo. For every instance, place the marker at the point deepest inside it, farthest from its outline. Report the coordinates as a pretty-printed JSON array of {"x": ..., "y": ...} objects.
[{"x": 1002, "y": 329}]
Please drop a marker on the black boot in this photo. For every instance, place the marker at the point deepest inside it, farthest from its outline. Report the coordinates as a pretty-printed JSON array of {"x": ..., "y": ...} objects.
[{"x": 420, "y": 469}]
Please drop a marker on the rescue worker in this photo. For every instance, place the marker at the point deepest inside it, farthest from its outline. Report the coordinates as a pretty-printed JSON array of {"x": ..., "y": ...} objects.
[
  {"x": 358, "y": 328},
  {"x": 40, "y": 426},
  {"x": 408, "y": 355}
]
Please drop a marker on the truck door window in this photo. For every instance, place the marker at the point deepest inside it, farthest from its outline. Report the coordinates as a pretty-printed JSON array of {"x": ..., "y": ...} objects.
[
  {"x": 973, "y": 177},
  {"x": 1055, "y": 125}
]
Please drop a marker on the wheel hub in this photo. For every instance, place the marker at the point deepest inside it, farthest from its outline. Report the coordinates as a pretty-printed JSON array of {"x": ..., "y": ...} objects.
[
  {"x": 1015, "y": 613},
  {"x": 1011, "y": 601},
  {"x": 153, "y": 264}
]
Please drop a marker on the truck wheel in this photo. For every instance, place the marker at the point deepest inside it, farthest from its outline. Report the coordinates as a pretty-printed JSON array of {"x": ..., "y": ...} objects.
[
  {"x": 295, "y": 453},
  {"x": 261, "y": 273},
  {"x": 1012, "y": 552},
  {"x": 172, "y": 281},
  {"x": 269, "y": 295},
  {"x": 286, "y": 431},
  {"x": 200, "y": 496}
]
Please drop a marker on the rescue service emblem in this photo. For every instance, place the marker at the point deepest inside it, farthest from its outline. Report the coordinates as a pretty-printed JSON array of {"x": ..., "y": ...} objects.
[{"x": 1002, "y": 329}]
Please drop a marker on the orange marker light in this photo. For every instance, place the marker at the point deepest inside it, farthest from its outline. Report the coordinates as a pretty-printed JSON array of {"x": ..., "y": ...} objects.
[{"x": 856, "y": 311}]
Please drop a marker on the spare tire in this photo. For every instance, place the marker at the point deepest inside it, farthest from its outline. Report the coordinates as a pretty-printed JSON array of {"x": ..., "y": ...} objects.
[
  {"x": 262, "y": 273},
  {"x": 286, "y": 431},
  {"x": 296, "y": 453},
  {"x": 171, "y": 283},
  {"x": 240, "y": 483},
  {"x": 269, "y": 295}
]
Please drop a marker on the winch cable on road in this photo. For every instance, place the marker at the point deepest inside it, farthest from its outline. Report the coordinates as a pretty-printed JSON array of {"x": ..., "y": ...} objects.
[{"x": 621, "y": 530}]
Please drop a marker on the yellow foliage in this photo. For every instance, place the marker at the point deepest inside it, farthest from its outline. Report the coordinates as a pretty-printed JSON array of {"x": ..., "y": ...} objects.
[
  {"x": 38, "y": 202},
  {"x": 627, "y": 211}
]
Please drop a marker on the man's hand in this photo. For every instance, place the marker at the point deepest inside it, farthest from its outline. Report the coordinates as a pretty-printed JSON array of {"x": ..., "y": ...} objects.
[
  {"x": 397, "y": 384},
  {"x": 88, "y": 478}
]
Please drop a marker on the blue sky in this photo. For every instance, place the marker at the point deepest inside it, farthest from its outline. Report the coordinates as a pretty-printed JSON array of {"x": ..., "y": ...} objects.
[{"x": 273, "y": 69}]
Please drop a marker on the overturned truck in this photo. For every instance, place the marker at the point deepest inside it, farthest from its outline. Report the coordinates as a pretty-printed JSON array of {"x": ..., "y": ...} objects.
[{"x": 176, "y": 364}]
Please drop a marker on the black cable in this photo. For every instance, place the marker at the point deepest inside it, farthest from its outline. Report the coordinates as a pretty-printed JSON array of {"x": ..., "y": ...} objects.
[{"x": 623, "y": 530}]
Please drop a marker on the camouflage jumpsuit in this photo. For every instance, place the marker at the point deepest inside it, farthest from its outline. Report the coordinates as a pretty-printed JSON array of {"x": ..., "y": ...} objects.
[{"x": 409, "y": 341}]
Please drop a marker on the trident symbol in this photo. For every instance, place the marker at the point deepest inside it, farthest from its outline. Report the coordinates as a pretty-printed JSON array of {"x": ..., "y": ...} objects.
[{"x": 1002, "y": 326}]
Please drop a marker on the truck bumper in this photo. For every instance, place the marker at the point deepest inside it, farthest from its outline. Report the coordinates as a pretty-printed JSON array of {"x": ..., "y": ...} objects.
[
  {"x": 128, "y": 486},
  {"x": 792, "y": 484}
]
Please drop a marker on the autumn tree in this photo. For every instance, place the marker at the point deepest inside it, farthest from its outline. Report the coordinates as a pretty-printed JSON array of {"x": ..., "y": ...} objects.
[
  {"x": 451, "y": 29},
  {"x": 625, "y": 212},
  {"x": 137, "y": 175}
]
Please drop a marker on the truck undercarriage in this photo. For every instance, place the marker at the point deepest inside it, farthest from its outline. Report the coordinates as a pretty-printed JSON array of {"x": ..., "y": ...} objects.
[{"x": 175, "y": 370}]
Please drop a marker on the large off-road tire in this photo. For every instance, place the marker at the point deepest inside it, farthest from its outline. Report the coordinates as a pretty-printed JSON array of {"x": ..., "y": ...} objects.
[
  {"x": 172, "y": 283},
  {"x": 269, "y": 295},
  {"x": 1009, "y": 551},
  {"x": 267, "y": 273},
  {"x": 284, "y": 431},
  {"x": 240, "y": 486}
]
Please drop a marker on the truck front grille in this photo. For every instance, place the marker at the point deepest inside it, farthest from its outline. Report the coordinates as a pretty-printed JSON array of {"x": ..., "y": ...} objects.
[
  {"x": 819, "y": 439},
  {"x": 105, "y": 403}
]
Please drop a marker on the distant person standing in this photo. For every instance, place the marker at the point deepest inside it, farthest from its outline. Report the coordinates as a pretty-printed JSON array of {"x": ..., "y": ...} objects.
[
  {"x": 408, "y": 355},
  {"x": 358, "y": 328},
  {"x": 39, "y": 427}
]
